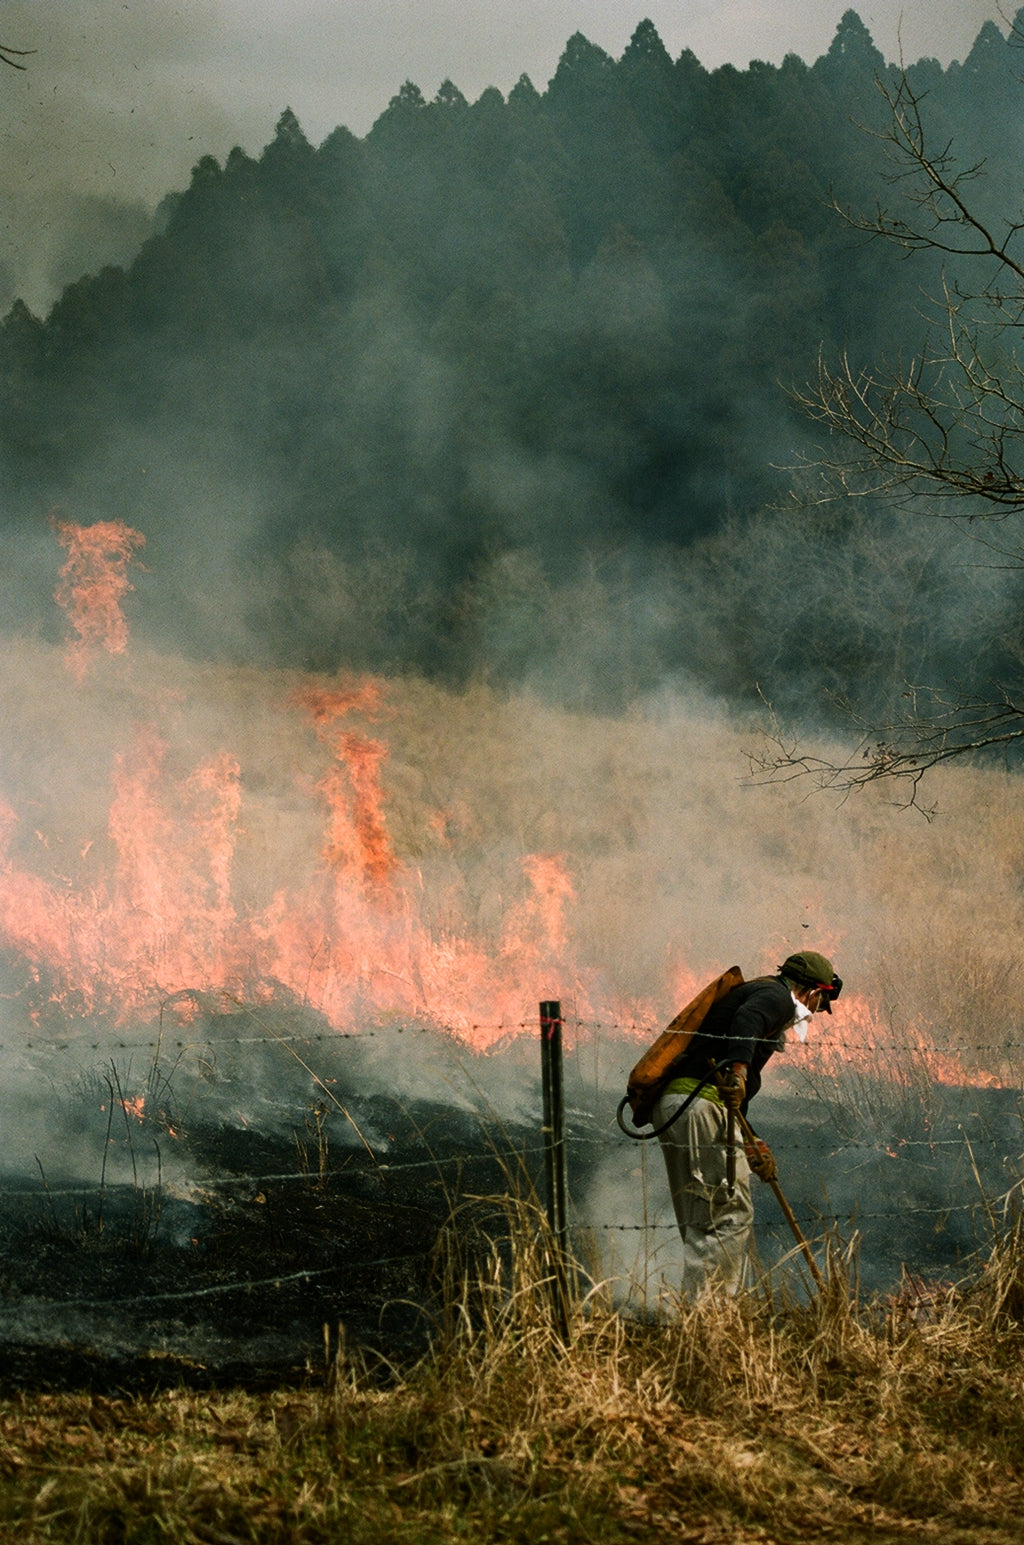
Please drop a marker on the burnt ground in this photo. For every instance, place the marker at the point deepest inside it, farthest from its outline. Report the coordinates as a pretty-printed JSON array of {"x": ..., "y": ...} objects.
[
  {"x": 258, "y": 1199},
  {"x": 256, "y": 1213},
  {"x": 253, "y": 1277}
]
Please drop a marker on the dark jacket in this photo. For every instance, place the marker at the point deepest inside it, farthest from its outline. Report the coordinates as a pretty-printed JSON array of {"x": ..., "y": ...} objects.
[{"x": 744, "y": 1026}]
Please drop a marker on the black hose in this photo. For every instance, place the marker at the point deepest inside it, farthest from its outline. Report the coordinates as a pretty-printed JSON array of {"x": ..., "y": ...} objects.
[{"x": 645, "y": 1137}]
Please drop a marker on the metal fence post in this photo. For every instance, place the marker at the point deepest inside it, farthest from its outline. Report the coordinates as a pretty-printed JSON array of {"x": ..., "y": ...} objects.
[{"x": 555, "y": 1180}]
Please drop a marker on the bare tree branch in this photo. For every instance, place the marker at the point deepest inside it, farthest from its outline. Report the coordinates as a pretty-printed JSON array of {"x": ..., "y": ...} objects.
[
  {"x": 933, "y": 186},
  {"x": 933, "y": 728},
  {"x": 12, "y": 55},
  {"x": 948, "y": 423},
  {"x": 943, "y": 430}
]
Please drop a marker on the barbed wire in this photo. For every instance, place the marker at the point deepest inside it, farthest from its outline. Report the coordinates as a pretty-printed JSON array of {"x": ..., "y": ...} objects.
[
  {"x": 811, "y": 1219},
  {"x": 241, "y": 1284},
  {"x": 379, "y": 1162},
  {"x": 456, "y": 1034},
  {"x": 18, "y": 1309},
  {"x": 816, "y": 1219},
  {"x": 311, "y": 1177},
  {"x": 166, "y": 1042},
  {"x": 278, "y": 1280},
  {"x": 370, "y": 1164},
  {"x": 832, "y": 1150},
  {"x": 893, "y": 1147},
  {"x": 314, "y": 1178},
  {"x": 820, "y": 1219}
]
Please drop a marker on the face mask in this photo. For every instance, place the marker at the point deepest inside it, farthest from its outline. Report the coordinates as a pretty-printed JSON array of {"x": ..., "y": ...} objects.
[{"x": 800, "y": 1022}]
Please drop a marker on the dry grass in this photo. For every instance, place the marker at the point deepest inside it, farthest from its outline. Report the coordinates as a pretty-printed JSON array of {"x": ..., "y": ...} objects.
[
  {"x": 679, "y": 866},
  {"x": 756, "y": 1420},
  {"x": 740, "y": 1421}
]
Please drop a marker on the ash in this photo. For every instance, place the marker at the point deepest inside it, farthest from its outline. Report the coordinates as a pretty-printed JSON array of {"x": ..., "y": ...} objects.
[{"x": 231, "y": 1209}]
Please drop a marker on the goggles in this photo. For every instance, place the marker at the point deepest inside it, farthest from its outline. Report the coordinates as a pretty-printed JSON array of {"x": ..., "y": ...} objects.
[{"x": 829, "y": 992}]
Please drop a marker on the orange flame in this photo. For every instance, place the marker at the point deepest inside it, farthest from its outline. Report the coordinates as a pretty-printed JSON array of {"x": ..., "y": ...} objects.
[
  {"x": 544, "y": 915},
  {"x": 163, "y": 920},
  {"x": 93, "y": 583},
  {"x": 347, "y": 937},
  {"x": 357, "y": 847}
]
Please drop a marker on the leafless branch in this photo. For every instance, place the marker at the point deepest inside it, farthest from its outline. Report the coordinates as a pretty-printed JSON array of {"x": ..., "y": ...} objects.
[
  {"x": 933, "y": 728},
  {"x": 948, "y": 423},
  {"x": 942, "y": 430},
  {"x": 932, "y": 188},
  {"x": 12, "y": 55}
]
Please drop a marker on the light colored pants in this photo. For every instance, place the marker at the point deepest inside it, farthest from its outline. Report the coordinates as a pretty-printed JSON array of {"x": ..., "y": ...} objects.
[{"x": 715, "y": 1226}]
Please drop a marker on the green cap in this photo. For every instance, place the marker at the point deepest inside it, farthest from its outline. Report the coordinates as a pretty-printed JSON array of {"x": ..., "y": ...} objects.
[{"x": 809, "y": 969}]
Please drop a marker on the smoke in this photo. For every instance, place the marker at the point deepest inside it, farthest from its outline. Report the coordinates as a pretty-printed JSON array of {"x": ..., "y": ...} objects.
[
  {"x": 547, "y": 795},
  {"x": 229, "y": 936}
]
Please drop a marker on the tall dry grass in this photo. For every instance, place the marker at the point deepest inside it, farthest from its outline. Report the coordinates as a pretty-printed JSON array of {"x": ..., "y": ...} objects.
[
  {"x": 679, "y": 864},
  {"x": 738, "y": 1420}
]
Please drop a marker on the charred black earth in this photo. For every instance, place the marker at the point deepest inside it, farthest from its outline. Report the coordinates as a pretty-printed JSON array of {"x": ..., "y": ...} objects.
[{"x": 246, "y": 1202}]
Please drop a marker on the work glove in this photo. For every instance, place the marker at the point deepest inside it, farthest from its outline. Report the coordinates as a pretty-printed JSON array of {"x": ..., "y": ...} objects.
[
  {"x": 761, "y": 1160},
  {"x": 732, "y": 1087}
]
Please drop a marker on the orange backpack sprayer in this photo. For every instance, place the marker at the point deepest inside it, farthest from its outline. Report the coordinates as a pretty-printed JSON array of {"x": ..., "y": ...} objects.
[{"x": 654, "y": 1070}]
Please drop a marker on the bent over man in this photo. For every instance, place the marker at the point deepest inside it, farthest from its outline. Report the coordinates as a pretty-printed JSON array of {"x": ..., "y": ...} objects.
[{"x": 741, "y": 1032}]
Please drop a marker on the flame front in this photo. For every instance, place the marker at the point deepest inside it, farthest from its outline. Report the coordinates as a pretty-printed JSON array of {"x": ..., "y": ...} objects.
[
  {"x": 345, "y": 937},
  {"x": 160, "y": 907}
]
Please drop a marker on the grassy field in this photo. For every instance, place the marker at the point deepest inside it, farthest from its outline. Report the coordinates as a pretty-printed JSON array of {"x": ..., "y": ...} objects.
[
  {"x": 736, "y": 1422},
  {"x": 675, "y": 865},
  {"x": 763, "y": 1419}
]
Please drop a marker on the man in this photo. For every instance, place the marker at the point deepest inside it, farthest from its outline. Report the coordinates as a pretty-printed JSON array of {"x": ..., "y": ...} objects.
[{"x": 741, "y": 1032}]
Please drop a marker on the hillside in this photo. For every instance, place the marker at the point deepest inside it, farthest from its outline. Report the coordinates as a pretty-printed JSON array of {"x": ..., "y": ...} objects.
[{"x": 403, "y": 401}]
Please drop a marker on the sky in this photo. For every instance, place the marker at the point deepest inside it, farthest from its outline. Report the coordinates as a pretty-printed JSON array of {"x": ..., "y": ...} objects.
[{"x": 121, "y": 97}]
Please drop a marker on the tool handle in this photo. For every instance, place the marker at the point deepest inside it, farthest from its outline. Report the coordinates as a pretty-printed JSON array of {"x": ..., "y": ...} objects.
[{"x": 787, "y": 1211}]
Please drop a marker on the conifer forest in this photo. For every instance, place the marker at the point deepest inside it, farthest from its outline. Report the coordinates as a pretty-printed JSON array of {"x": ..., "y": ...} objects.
[{"x": 515, "y": 381}]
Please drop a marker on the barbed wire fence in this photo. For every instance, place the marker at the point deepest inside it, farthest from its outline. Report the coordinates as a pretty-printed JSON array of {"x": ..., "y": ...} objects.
[
  {"x": 634, "y": 1165},
  {"x": 459, "y": 1041}
]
